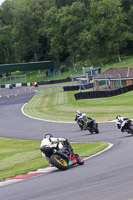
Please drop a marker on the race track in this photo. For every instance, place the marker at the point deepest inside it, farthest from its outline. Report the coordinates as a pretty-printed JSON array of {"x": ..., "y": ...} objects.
[{"x": 108, "y": 176}]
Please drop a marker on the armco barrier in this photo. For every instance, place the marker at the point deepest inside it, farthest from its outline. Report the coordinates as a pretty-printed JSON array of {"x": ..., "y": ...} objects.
[
  {"x": 41, "y": 83},
  {"x": 16, "y": 85},
  {"x": 102, "y": 94}
]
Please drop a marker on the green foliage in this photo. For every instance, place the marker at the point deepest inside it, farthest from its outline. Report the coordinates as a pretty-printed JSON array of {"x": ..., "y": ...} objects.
[
  {"x": 26, "y": 27},
  {"x": 109, "y": 28},
  {"x": 76, "y": 30},
  {"x": 63, "y": 29},
  {"x": 61, "y": 3},
  {"x": 46, "y": 73},
  {"x": 6, "y": 43},
  {"x": 63, "y": 68}
]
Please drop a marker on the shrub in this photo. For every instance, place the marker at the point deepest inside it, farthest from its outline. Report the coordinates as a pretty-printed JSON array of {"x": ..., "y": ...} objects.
[{"x": 63, "y": 68}]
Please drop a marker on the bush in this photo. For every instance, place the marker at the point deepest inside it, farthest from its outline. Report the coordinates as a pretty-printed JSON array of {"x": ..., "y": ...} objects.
[{"x": 63, "y": 68}]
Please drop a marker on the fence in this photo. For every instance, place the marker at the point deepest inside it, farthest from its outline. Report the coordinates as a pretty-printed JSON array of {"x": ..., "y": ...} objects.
[
  {"x": 13, "y": 80},
  {"x": 91, "y": 71}
]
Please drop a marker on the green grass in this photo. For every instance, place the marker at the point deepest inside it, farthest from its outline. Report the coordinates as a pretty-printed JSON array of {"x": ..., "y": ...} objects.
[
  {"x": 127, "y": 61},
  {"x": 21, "y": 156},
  {"x": 62, "y": 106}
]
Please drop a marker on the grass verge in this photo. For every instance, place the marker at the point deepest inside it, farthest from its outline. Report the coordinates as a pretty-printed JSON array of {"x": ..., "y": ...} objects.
[
  {"x": 21, "y": 156},
  {"x": 62, "y": 106}
]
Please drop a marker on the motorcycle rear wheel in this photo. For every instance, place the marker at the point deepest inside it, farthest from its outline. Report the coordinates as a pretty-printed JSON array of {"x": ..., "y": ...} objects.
[{"x": 58, "y": 162}]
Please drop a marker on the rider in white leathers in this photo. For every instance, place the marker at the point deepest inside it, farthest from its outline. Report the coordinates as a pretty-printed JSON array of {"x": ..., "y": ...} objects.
[
  {"x": 52, "y": 142},
  {"x": 120, "y": 121}
]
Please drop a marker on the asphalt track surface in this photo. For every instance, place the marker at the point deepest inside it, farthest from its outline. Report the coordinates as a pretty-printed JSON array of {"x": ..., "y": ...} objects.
[{"x": 108, "y": 176}]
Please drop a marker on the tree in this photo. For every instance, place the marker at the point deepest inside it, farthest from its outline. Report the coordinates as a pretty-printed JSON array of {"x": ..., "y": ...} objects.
[
  {"x": 129, "y": 47},
  {"x": 84, "y": 52},
  {"x": 63, "y": 28},
  {"x": 6, "y": 43},
  {"x": 61, "y": 3},
  {"x": 109, "y": 31},
  {"x": 25, "y": 32},
  {"x": 51, "y": 28},
  {"x": 32, "y": 30},
  {"x": 28, "y": 39},
  {"x": 126, "y": 5}
]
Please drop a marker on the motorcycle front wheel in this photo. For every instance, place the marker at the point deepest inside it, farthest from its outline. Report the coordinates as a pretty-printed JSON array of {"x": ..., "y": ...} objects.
[
  {"x": 96, "y": 130},
  {"x": 80, "y": 160},
  {"x": 58, "y": 162}
]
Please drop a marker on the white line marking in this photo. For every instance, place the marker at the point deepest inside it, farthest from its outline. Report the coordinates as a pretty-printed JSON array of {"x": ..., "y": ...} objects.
[
  {"x": 110, "y": 146},
  {"x": 22, "y": 110}
]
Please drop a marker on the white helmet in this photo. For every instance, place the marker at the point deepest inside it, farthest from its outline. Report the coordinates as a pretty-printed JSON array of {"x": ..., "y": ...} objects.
[
  {"x": 84, "y": 115},
  {"x": 119, "y": 119},
  {"x": 78, "y": 112},
  {"x": 48, "y": 135}
]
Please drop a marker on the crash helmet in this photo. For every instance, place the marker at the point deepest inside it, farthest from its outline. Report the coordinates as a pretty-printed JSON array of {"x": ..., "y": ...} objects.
[
  {"x": 78, "y": 112},
  {"x": 48, "y": 135},
  {"x": 84, "y": 115},
  {"x": 118, "y": 117}
]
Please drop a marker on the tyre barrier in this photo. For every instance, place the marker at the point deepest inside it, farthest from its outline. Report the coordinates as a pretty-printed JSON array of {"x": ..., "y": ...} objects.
[
  {"x": 102, "y": 94},
  {"x": 54, "y": 81},
  {"x": 77, "y": 87},
  {"x": 71, "y": 88}
]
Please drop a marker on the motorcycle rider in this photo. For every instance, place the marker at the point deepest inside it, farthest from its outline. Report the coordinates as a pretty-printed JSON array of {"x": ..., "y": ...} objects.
[
  {"x": 50, "y": 142},
  {"x": 79, "y": 114},
  {"x": 35, "y": 84},
  {"x": 120, "y": 121},
  {"x": 78, "y": 117},
  {"x": 85, "y": 119}
]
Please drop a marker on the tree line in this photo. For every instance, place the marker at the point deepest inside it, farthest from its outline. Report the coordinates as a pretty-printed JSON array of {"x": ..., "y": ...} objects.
[{"x": 65, "y": 30}]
